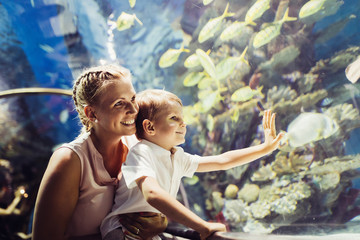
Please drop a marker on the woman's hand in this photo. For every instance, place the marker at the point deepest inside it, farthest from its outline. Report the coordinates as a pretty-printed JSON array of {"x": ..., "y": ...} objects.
[
  {"x": 272, "y": 140},
  {"x": 144, "y": 224}
]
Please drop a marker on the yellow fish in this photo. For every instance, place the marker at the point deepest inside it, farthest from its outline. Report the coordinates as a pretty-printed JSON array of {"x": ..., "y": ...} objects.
[
  {"x": 232, "y": 31},
  {"x": 206, "y": 82},
  {"x": 132, "y": 3},
  {"x": 208, "y": 100},
  {"x": 311, "y": 7},
  {"x": 190, "y": 115},
  {"x": 193, "y": 60},
  {"x": 193, "y": 78},
  {"x": 228, "y": 64},
  {"x": 171, "y": 56},
  {"x": 213, "y": 25},
  {"x": 315, "y": 10},
  {"x": 207, "y": 2},
  {"x": 272, "y": 31},
  {"x": 256, "y": 11},
  {"x": 245, "y": 94},
  {"x": 125, "y": 21},
  {"x": 206, "y": 63}
]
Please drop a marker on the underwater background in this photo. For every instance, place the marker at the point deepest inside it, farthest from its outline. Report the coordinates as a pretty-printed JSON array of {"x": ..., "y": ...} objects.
[{"x": 228, "y": 61}]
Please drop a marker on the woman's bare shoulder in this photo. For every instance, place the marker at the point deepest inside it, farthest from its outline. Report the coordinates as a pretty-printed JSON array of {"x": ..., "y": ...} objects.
[{"x": 64, "y": 160}]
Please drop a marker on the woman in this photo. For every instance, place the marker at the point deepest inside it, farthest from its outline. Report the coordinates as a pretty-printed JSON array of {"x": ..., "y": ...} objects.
[{"x": 78, "y": 185}]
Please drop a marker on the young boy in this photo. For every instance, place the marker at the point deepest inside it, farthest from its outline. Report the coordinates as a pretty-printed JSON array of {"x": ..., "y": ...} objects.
[{"x": 154, "y": 168}]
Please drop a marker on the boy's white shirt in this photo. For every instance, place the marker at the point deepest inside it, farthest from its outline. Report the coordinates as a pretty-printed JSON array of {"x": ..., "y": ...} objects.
[{"x": 148, "y": 159}]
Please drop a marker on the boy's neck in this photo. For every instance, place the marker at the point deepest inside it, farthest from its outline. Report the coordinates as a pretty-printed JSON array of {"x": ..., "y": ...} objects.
[{"x": 172, "y": 150}]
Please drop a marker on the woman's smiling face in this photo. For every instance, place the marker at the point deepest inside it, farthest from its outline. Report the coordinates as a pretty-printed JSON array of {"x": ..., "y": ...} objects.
[{"x": 117, "y": 109}]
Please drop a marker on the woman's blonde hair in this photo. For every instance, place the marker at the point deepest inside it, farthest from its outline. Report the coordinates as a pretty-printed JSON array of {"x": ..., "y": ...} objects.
[
  {"x": 89, "y": 84},
  {"x": 151, "y": 102}
]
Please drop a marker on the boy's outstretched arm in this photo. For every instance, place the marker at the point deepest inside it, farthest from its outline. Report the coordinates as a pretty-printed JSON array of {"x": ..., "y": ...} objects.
[
  {"x": 165, "y": 203},
  {"x": 238, "y": 157}
]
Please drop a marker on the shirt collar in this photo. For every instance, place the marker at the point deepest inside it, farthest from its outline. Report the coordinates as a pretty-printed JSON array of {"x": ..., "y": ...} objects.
[{"x": 160, "y": 152}]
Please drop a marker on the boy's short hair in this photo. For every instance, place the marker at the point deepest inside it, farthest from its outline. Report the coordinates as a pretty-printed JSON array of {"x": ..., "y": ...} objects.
[{"x": 150, "y": 102}]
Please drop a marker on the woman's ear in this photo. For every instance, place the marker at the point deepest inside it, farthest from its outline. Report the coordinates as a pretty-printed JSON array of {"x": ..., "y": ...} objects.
[
  {"x": 148, "y": 127},
  {"x": 89, "y": 112}
]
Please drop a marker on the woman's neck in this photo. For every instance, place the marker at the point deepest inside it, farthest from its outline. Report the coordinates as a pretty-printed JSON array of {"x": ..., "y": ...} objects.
[
  {"x": 109, "y": 149},
  {"x": 105, "y": 145}
]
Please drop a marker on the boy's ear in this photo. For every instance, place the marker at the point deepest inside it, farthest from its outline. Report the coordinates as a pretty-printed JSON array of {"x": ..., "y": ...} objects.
[{"x": 148, "y": 127}]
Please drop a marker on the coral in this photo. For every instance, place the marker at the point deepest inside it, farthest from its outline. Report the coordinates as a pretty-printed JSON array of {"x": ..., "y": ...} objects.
[
  {"x": 339, "y": 61},
  {"x": 280, "y": 59},
  {"x": 306, "y": 82},
  {"x": 236, "y": 173},
  {"x": 346, "y": 115},
  {"x": 302, "y": 101},
  {"x": 335, "y": 164},
  {"x": 217, "y": 201},
  {"x": 260, "y": 209},
  {"x": 285, "y": 163},
  {"x": 326, "y": 181},
  {"x": 264, "y": 173},
  {"x": 281, "y": 93},
  {"x": 284, "y": 205},
  {"x": 249, "y": 193},
  {"x": 231, "y": 191},
  {"x": 258, "y": 227},
  {"x": 236, "y": 211},
  {"x": 281, "y": 200}
]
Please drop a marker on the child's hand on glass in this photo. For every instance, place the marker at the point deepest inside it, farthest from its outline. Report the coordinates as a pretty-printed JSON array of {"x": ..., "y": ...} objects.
[{"x": 272, "y": 140}]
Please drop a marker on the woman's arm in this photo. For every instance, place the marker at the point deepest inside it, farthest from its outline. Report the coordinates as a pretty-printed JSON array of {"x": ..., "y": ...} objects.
[
  {"x": 165, "y": 203},
  {"x": 238, "y": 157},
  {"x": 57, "y": 196}
]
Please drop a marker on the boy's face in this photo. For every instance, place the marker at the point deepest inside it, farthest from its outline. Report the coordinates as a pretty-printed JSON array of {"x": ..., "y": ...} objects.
[{"x": 169, "y": 126}]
